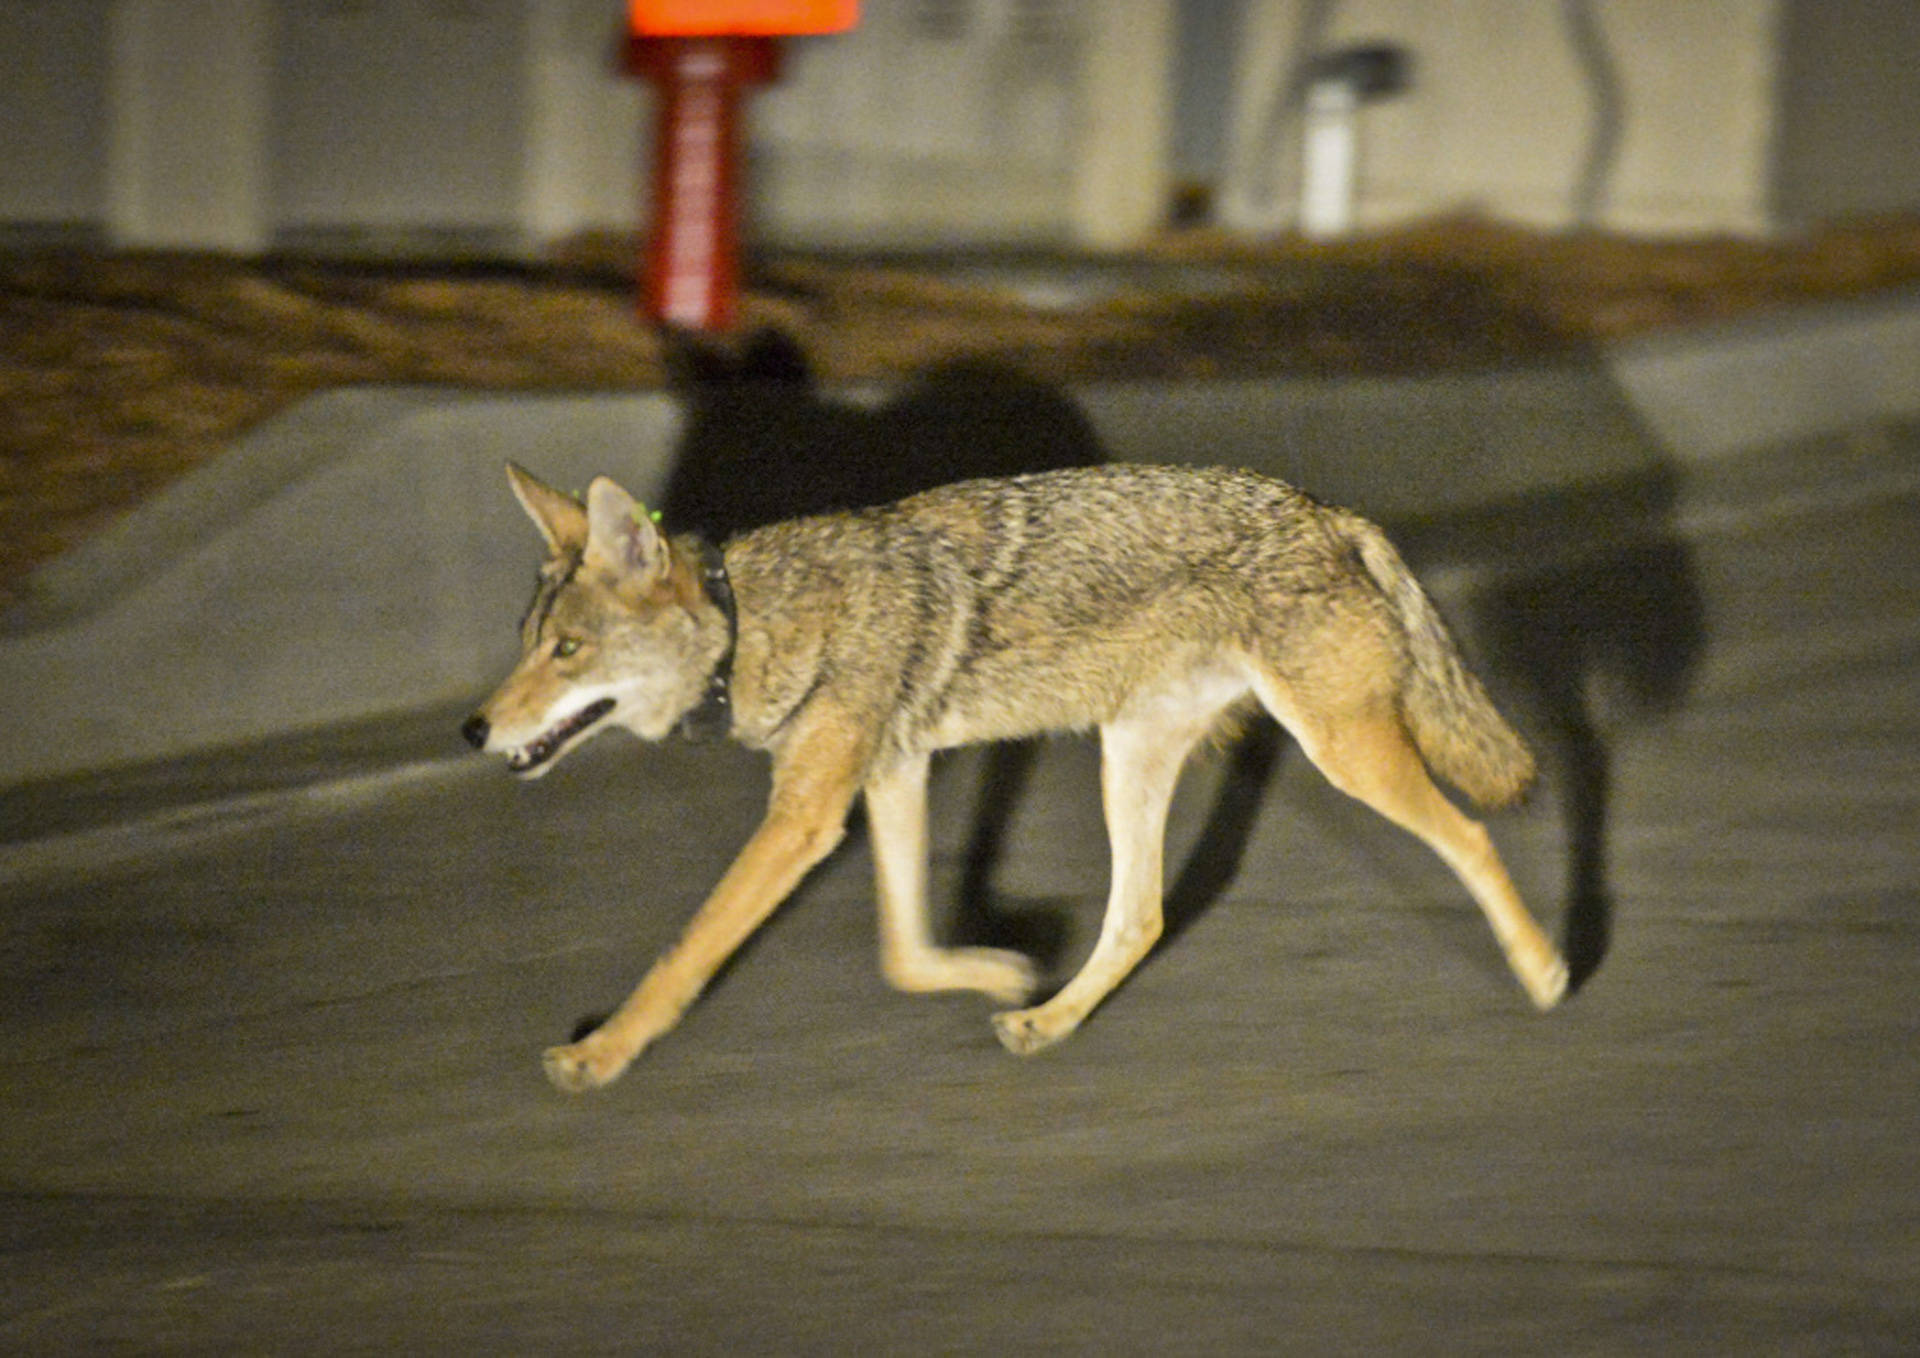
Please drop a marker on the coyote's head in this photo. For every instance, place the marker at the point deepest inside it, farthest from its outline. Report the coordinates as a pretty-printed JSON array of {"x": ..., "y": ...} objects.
[{"x": 621, "y": 631}]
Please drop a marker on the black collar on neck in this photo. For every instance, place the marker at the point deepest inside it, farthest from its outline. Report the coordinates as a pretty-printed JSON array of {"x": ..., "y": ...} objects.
[{"x": 713, "y": 717}]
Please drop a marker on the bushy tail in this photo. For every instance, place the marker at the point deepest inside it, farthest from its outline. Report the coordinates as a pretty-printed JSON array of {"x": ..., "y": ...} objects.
[{"x": 1453, "y": 721}]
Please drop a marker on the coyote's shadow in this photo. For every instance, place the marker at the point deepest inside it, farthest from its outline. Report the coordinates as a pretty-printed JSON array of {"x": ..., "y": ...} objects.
[
  {"x": 1582, "y": 607},
  {"x": 761, "y": 443}
]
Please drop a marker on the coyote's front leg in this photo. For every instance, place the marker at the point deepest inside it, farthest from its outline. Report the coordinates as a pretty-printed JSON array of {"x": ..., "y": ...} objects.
[
  {"x": 909, "y": 958},
  {"x": 805, "y": 820}
]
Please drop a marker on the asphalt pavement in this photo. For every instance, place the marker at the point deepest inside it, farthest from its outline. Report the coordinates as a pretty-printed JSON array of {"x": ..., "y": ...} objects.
[{"x": 272, "y": 1020}]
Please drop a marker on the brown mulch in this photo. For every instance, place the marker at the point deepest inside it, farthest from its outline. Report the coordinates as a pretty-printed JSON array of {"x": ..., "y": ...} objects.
[{"x": 118, "y": 373}]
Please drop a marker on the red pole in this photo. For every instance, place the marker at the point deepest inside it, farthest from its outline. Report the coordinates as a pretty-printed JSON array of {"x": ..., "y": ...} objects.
[{"x": 690, "y": 267}]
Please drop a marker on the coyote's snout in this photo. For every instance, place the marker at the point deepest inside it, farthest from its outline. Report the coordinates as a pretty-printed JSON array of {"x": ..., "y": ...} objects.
[{"x": 1144, "y": 602}]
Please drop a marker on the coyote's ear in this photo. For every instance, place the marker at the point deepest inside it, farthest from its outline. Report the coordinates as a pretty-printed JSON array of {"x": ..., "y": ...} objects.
[
  {"x": 621, "y": 534},
  {"x": 560, "y": 518}
]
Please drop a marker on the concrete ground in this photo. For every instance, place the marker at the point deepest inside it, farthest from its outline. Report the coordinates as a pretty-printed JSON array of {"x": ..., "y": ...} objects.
[{"x": 272, "y": 1020}]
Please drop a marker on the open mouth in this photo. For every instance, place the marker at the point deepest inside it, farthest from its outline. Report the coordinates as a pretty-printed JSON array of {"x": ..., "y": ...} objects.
[{"x": 530, "y": 757}]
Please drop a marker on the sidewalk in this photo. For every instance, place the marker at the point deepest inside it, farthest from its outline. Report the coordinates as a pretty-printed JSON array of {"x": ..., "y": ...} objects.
[{"x": 271, "y": 1070}]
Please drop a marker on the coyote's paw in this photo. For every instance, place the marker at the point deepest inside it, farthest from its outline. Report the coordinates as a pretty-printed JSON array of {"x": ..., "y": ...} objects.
[
  {"x": 581, "y": 1066},
  {"x": 1546, "y": 986},
  {"x": 1008, "y": 977},
  {"x": 1026, "y": 1031}
]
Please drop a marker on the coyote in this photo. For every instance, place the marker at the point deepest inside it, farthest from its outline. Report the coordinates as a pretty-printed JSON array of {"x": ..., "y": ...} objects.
[{"x": 1148, "y": 602}]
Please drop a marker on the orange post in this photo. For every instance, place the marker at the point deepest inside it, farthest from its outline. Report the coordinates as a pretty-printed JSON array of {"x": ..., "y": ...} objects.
[{"x": 702, "y": 56}]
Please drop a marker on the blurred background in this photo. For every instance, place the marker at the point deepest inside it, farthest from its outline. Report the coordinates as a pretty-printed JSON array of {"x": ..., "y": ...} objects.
[
  {"x": 501, "y": 126},
  {"x": 210, "y": 209}
]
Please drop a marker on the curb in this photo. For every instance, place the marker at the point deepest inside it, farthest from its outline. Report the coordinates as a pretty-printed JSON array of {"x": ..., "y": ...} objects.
[{"x": 359, "y": 554}]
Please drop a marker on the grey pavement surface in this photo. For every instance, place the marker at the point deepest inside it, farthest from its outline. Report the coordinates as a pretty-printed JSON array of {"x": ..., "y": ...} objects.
[{"x": 272, "y": 1019}]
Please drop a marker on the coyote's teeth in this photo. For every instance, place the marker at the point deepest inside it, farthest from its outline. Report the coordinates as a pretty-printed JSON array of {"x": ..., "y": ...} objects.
[{"x": 533, "y": 755}]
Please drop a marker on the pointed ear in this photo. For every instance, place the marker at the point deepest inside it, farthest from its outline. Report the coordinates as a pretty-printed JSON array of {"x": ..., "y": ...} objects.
[
  {"x": 620, "y": 533},
  {"x": 560, "y": 518}
]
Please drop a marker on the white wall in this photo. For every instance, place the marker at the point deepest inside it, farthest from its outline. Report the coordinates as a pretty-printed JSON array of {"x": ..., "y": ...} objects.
[
  {"x": 1698, "y": 91},
  {"x": 53, "y": 105},
  {"x": 499, "y": 125},
  {"x": 1123, "y": 144},
  {"x": 920, "y": 132},
  {"x": 1508, "y": 114},
  {"x": 1849, "y": 123},
  {"x": 185, "y": 153},
  {"x": 485, "y": 125},
  {"x": 589, "y": 129},
  {"x": 398, "y": 120}
]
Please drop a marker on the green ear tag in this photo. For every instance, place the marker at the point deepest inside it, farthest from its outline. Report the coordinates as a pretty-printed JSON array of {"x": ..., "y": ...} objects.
[{"x": 642, "y": 515}]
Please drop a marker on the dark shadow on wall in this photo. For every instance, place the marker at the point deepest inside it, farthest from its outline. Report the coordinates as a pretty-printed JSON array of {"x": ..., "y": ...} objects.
[{"x": 763, "y": 443}]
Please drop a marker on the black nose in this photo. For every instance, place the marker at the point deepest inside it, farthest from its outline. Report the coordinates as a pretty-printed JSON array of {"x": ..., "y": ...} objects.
[{"x": 475, "y": 730}]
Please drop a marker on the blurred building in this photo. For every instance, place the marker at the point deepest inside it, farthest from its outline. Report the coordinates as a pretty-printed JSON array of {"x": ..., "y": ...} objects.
[{"x": 495, "y": 126}]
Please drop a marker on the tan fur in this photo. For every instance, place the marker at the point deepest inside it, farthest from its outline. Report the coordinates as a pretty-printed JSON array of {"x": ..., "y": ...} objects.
[{"x": 1146, "y": 602}]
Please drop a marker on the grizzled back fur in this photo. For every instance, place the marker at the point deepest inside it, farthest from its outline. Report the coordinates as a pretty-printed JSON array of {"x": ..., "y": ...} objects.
[{"x": 995, "y": 609}]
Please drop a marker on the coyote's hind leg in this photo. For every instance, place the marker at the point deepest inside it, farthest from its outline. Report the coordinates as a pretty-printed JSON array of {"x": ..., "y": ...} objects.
[
  {"x": 1365, "y": 751},
  {"x": 1140, "y": 763}
]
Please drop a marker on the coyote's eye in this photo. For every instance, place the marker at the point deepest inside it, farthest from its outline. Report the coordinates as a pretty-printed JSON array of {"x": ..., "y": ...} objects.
[{"x": 566, "y": 647}]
